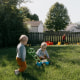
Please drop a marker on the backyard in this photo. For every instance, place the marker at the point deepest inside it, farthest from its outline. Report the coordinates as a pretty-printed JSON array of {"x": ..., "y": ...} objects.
[{"x": 65, "y": 59}]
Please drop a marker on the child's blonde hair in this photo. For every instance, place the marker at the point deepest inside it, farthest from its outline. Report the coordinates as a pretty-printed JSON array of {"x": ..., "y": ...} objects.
[
  {"x": 23, "y": 38},
  {"x": 43, "y": 44}
]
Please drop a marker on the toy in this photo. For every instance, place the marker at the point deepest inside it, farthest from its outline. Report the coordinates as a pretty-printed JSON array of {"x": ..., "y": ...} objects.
[
  {"x": 78, "y": 43},
  {"x": 45, "y": 62},
  {"x": 49, "y": 43},
  {"x": 31, "y": 51},
  {"x": 39, "y": 64},
  {"x": 59, "y": 43}
]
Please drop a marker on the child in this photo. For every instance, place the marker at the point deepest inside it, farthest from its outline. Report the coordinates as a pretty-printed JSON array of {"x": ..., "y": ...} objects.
[
  {"x": 64, "y": 38},
  {"x": 21, "y": 54},
  {"x": 42, "y": 52}
]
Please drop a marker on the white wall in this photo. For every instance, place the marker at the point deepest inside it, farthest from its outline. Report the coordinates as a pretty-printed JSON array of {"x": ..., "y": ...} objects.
[
  {"x": 33, "y": 29},
  {"x": 72, "y": 29},
  {"x": 40, "y": 28},
  {"x": 75, "y": 30}
]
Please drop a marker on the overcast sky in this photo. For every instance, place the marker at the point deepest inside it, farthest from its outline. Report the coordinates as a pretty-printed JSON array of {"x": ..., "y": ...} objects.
[{"x": 41, "y": 8}]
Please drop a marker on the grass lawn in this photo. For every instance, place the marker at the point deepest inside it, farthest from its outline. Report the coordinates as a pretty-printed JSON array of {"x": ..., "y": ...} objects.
[{"x": 66, "y": 64}]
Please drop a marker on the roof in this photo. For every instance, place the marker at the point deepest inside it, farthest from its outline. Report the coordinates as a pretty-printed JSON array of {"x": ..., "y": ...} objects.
[
  {"x": 69, "y": 27},
  {"x": 33, "y": 23}
]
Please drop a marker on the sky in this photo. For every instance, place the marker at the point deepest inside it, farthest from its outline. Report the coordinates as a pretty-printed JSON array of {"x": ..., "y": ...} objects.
[{"x": 41, "y": 8}]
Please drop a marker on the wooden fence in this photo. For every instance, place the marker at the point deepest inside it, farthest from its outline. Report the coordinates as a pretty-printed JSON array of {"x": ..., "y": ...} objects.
[
  {"x": 71, "y": 37},
  {"x": 36, "y": 38}
]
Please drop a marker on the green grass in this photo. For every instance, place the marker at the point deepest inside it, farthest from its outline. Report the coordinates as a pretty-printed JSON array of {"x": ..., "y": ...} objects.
[{"x": 66, "y": 64}]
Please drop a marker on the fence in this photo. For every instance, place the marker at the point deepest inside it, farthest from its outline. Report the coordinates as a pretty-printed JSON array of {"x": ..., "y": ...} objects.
[
  {"x": 71, "y": 37},
  {"x": 36, "y": 38},
  {"x": 12, "y": 38}
]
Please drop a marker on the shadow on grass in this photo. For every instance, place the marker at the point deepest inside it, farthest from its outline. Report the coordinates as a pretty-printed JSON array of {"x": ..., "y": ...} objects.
[
  {"x": 28, "y": 76},
  {"x": 8, "y": 58},
  {"x": 72, "y": 61},
  {"x": 32, "y": 72},
  {"x": 55, "y": 55},
  {"x": 75, "y": 61},
  {"x": 4, "y": 64}
]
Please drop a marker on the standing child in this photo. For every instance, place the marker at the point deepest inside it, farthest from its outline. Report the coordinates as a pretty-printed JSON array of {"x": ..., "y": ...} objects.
[
  {"x": 64, "y": 38},
  {"x": 21, "y": 54},
  {"x": 42, "y": 52}
]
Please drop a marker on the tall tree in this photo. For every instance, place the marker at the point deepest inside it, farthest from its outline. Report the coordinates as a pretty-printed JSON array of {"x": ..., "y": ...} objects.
[
  {"x": 13, "y": 2},
  {"x": 57, "y": 17},
  {"x": 35, "y": 17},
  {"x": 27, "y": 14},
  {"x": 10, "y": 20}
]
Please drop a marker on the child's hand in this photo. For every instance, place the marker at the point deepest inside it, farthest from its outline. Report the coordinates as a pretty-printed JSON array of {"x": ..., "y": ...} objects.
[
  {"x": 48, "y": 58},
  {"x": 43, "y": 57}
]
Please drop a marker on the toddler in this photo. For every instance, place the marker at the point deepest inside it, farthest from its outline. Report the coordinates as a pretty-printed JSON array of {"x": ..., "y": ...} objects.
[
  {"x": 42, "y": 52},
  {"x": 21, "y": 54}
]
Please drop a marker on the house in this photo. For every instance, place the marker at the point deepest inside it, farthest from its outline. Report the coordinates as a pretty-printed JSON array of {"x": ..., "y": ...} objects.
[
  {"x": 73, "y": 28},
  {"x": 35, "y": 26}
]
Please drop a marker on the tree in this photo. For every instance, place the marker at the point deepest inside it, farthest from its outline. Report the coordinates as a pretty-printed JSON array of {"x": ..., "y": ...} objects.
[
  {"x": 57, "y": 17},
  {"x": 10, "y": 20},
  {"x": 10, "y": 17},
  {"x": 13, "y": 2},
  {"x": 27, "y": 14},
  {"x": 35, "y": 17}
]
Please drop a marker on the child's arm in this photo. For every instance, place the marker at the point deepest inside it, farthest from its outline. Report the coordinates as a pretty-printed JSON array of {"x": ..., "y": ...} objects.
[
  {"x": 39, "y": 54},
  {"x": 22, "y": 53},
  {"x": 46, "y": 54}
]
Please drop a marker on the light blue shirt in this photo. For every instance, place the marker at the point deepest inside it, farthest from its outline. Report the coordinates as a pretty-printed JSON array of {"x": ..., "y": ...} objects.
[
  {"x": 21, "y": 51},
  {"x": 40, "y": 53}
]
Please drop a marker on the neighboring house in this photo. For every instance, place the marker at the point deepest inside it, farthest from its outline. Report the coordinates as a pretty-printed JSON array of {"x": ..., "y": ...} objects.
[
  {"x": 35, "y": 26},
  {"x": 72, "y": 28}
]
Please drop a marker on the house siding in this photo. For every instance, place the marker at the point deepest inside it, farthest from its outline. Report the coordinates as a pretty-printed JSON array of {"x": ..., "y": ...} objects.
[
  {"x": 73, "y": 29},
  {"x": 40, "y": 28},
  {"x": 33, "y": 29}
]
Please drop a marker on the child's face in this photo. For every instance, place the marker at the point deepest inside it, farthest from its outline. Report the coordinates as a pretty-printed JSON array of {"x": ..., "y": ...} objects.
[
  {"x": 25, "y": 41},
  {"x": 43, "y": 48}
]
